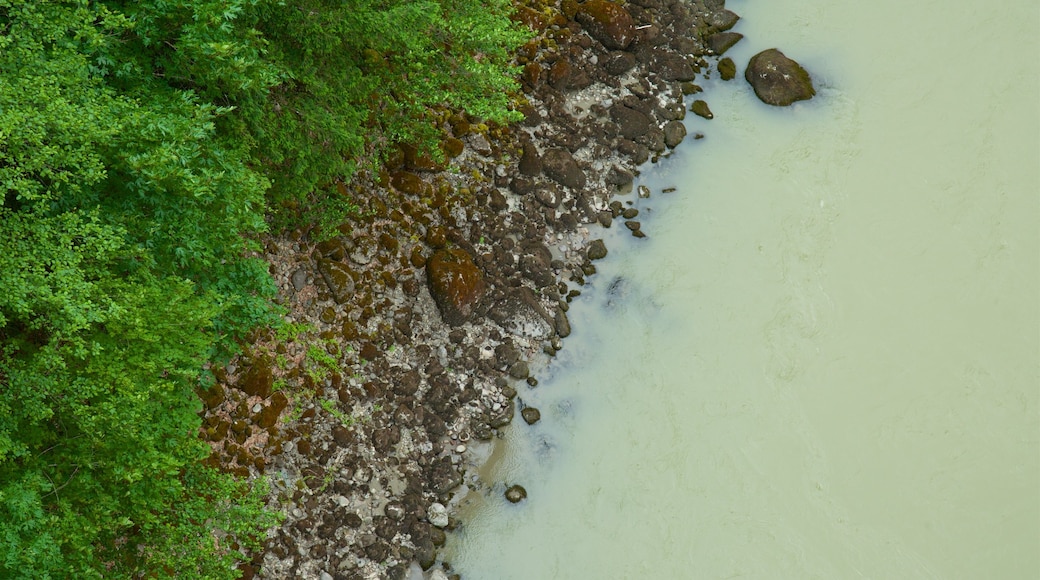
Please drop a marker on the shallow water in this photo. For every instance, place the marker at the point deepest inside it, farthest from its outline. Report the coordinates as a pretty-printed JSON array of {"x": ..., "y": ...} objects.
[{"x": 824, "y": 362}]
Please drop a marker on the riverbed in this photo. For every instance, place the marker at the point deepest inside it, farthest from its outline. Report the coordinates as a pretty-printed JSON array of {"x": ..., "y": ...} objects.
[{"x": 824, "y": 359}]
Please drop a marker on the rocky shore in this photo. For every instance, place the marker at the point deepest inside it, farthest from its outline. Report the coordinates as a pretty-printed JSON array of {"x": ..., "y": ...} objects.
[{"x": 413, "y": 328}]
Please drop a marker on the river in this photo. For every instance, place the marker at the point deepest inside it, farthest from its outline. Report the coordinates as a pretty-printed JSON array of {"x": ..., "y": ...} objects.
[{"x": 824, "y": 360}]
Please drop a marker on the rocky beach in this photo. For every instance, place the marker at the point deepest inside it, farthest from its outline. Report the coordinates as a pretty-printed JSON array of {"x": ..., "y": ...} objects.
[{"x": 411, "y": 331}]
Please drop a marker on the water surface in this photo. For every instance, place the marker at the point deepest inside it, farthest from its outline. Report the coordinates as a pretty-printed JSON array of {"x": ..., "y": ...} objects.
[{"x": 824, "y": 362}]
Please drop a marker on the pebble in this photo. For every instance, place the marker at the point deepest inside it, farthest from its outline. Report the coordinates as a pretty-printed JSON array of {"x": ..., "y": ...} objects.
[
  {"x": 257, "y": 407},
  {"x": 460, "y": 449}
]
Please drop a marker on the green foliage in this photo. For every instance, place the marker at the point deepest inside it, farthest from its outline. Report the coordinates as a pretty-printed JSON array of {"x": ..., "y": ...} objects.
[
  {"x": 360, "y": 77},
  {"x": 141, "y": 143}
]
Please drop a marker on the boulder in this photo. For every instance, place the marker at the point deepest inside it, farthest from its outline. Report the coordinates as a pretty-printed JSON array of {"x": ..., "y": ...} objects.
[
  {"x": 456, "y": 284},
  {"x": 608, "y": 23},
  {"x": 720, "y": 42},
  {"x": 560, "y": 166},
  {"x": 778, "y": 80},
  {"x": 631, "y": 123}
]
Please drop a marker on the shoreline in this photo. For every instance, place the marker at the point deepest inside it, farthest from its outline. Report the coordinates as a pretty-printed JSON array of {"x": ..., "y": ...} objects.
[{"x": 417, "y": 324}]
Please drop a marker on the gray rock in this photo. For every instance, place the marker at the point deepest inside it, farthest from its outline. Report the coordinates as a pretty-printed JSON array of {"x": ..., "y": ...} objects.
[
  {"x": 778, "y": 80},
  {"x": 299, "y": 279},
  {"x": 437, "y": 514}
]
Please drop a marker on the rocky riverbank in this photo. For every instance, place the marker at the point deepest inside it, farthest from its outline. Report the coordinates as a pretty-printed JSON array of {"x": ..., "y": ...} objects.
[{"x": 412, "y": 329}]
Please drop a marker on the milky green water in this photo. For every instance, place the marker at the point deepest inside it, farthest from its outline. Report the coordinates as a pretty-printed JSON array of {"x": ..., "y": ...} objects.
[{"x": 824, "y": 362}]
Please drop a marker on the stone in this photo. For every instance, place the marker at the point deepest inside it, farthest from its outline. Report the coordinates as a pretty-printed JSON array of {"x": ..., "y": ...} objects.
[
  {"x": 597, "y": 250},
  {"x": 456, "y": 284},
  {"x": 531, "y": 415},
  {"x": 299, "y": 279},
  {"x": 520, "y": 313},
  {"x": 516, "y": 493},
  {"x": 437, "y": 514},
  {"x": 675, "y": 67},
  {"x": 520, "y": 370},
  {"x": 674, "y": 133},
  {"x": 257, "y": 379},
  {"x": 338, "y": 278},
  {"x": 700, "y": 108},
  {"x": 720, "y": 42},
  {"x": 530, "y": 162},
  {"x": 778, "y": 80},
  {"x": 727, "y": 69},
  {"x": 408, "y": 183},
  {"x": 631, "y": 123},
  {"x": 722, "y": 20},
  {"x": 563, "y": 326},
  {"x": 607, "y": 22},
  {"x": 561, "y": 167},
  {"x": 619, "y": 63}
]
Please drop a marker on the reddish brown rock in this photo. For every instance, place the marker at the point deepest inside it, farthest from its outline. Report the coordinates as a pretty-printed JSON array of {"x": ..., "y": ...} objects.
[
  {"x": 456, "y": 284},
  {"x": 608, "y": 23},
  {"x": 257, "y": 379}
]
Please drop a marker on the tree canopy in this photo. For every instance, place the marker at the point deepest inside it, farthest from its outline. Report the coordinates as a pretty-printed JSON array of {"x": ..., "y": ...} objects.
[{"x": 144, "y": 146}]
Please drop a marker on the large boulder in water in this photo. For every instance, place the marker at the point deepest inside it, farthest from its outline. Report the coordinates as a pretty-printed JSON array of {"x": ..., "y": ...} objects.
[
  {"x": 456, "y": 284},
  {"x": 778, "y": 80}
]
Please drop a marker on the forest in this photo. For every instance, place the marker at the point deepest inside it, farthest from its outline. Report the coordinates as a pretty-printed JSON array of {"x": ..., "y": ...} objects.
[{"x": 145, "y": 148}]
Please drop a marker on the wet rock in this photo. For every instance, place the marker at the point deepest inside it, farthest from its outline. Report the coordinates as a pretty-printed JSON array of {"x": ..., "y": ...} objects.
[
  {"x": 631, "y": 123},
  {"x": 505, "y": 416},
  {"x": 516, "y": 493},
  {"x": 608, "y": 23},
  {"x": 563, "y": 76},
  {"x": 563, "y": 326},
  {"x": 722, "y": 20},
  {"x": 778, "y": 80},
  {"x": 597, "y": 250},
  {"x": 674, "y": 133},
  {"x": 720, "y": 42},
  {"x": 456, "y": 284},
  {"x": 727, "y": 69},
  {"x": 519, "y": 370},
  {"x": 560, "y": 166},
  {"x": 338, "y": 278},
  {"x": 531, "y": 415},
  {"x": 700, "y": 108}
]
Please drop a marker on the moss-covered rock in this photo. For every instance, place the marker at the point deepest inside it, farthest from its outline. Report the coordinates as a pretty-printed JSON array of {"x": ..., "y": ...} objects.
[
  {"x": 607, "y": 22},
  {"x": 456, "y": 284}
]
